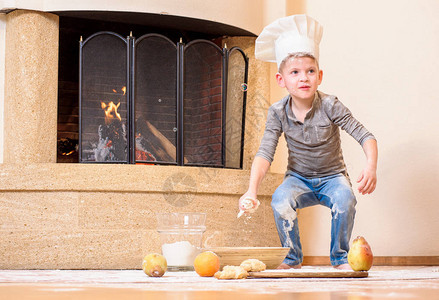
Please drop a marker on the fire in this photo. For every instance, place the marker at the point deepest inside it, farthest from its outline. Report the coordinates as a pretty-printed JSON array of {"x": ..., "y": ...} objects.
[
  {"x": 123, "y": 89},
  {"x": 110, "y": 110}
]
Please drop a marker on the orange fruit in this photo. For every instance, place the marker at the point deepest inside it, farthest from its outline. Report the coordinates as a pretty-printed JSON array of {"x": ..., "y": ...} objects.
[{"x": 206, "y": 264}]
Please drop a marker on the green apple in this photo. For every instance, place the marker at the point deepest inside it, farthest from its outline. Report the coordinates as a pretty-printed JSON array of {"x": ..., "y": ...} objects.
[{"x": 154, "y": 265}]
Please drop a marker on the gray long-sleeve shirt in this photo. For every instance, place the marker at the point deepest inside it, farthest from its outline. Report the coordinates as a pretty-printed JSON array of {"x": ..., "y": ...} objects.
[{"x": 314, "y": 146}]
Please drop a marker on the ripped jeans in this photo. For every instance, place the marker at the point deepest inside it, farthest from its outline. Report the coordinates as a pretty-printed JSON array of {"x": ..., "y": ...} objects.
[{"x": 296, "y": 192}]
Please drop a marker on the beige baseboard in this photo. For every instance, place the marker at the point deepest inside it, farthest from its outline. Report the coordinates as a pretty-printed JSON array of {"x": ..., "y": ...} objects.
[{"x": 381, "y": 260}]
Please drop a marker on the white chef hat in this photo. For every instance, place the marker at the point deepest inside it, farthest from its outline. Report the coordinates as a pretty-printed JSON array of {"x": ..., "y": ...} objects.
[{"x": 297, "y": 33}]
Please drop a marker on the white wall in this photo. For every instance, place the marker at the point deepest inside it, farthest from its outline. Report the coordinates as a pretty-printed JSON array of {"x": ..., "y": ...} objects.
[{"x": 381, "y": 59}]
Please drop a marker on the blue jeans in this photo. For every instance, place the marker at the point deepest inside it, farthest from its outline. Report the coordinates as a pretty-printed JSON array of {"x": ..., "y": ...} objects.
[{"x": 296, "y": 192}]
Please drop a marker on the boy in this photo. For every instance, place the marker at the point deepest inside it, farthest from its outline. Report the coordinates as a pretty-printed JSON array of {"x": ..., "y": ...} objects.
[{"x": 316, "y": 172}]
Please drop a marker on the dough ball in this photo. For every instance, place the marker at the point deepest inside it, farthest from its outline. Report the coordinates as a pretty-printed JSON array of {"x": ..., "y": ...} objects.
[
  {"x": 231, "y": 272},
  {"x": 253, "y": 265}
]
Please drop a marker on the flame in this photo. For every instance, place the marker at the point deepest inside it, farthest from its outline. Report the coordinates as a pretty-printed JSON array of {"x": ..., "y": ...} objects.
[
  {"x": 69, "y": 153},
  {"x": 123, "y": 89},
  {"x": 110, "y": 110}
]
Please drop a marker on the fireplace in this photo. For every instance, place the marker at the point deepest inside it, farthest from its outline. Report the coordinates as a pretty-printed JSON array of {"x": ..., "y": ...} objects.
[
  {"x": 106, "y": 211},
  {"x": 149, "y": 97}
]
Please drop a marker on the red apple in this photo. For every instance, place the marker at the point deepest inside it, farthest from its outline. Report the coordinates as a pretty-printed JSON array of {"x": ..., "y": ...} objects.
[{"x": 360, "y": 255}]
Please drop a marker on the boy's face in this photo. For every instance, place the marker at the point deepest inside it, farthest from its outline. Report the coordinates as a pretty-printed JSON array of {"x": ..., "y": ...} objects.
[{"x": 301, "y": 77}]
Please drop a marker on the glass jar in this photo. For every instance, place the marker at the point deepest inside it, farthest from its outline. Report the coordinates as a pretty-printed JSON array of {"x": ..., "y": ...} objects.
[{"x": 181, "y": 237}]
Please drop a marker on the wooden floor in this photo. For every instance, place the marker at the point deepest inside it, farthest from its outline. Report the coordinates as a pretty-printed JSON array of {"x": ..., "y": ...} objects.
[{"x": 382, "y": 283}]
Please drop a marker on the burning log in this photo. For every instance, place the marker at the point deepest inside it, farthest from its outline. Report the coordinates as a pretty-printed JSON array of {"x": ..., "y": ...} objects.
[
  {"x": 152, "y": 144},
  {"x": 112, "y": 144}
]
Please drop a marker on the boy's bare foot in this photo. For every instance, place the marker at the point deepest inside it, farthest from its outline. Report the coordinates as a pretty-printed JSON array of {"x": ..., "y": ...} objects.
[
  {"x": 343, "y": 267},
  {"x": 284, "y": 266}
]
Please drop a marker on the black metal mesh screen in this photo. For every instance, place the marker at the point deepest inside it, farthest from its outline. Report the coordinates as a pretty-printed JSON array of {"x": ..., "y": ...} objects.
[
  {"x": 155, "y": 99},
  {"x": 134, "y": 91},
  {"x": 235, "y": 103},
  {"x": 202, "y": 104},
  {"x": 104, "y": 100}
]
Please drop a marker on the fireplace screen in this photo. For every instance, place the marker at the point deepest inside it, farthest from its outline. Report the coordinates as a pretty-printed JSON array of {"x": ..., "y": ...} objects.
[
  {"x": 152, "y": 101},
  {"x": 103, "y": 105},
  {"x": 155, "y": 100}
]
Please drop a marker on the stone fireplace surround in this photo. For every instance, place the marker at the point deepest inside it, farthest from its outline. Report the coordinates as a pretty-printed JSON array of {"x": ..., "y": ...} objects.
[{"x": 94, "y": 216}]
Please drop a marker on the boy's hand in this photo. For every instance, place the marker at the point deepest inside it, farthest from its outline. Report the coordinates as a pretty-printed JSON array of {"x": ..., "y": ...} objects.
[
  {"x": 248, "y": 204},
  {"x": 367, "y": 180},
  {"x": 368, "y": 177},
  {"x": 248, "y": 194}
]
